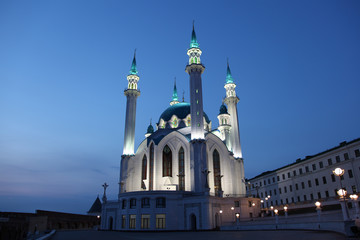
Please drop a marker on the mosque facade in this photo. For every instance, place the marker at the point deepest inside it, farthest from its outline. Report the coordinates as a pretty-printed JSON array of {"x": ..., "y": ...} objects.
[{"x": 184, "y": 175}]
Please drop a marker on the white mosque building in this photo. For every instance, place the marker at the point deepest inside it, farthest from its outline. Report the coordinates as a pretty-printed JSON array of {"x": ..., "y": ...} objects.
[{"x": 185, "y": 175}]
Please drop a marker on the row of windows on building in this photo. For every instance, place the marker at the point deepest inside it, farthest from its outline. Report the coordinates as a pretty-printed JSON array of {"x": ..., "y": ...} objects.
[
  {"x": 160, "y": 221},
  {"x": 160, "y": 202},
  {"x": 303, "y": 198},
  {"x": 300, "y": 171},
  {"x": 304, "y": 185},
  {"x": 167, "y": 168}
]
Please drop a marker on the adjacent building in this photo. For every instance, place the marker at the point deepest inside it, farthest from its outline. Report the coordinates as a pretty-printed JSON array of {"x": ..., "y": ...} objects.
[{"x": 311, "y": 179}]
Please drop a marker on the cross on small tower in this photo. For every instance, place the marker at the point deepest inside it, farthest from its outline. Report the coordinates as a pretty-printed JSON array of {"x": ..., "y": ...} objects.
[{"x": 105, "y": 185}]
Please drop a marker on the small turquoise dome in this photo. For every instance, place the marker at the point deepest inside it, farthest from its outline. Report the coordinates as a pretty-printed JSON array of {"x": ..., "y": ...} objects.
[
  {"x": 223, "y": 109},
  {"x": 150, "y": 129}
]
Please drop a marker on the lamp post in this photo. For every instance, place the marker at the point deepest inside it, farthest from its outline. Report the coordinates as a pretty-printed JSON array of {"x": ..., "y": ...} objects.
[
  {"x": 354, "y": 197},
  {"x": 342, "y": 195},
  {"x": 272, "y": 210},
  {"x": 318, "y": 210},
  {"x": 221, "y": 211},
  {"x": 237, "y": 218},
  {"x": 276, "y": 216},
  {"x": 285, "y": 211}
]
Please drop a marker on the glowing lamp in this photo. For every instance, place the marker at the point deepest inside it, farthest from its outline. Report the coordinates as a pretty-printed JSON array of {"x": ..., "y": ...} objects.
[
  {"x": 354, "y": 197},
  {"x": 253, "y": 204},
  {"x": 285, "y": 208},
  {"x": 318, "y": 204},
  {"x": 232, "y": 208},
  {"x": 271, "y": 207},
  {"x": 220, "y": 211},
  {"x": 338, "y": 172},
  {"x": 341, "y": 192},
  {"x": 276, "y": 211}
]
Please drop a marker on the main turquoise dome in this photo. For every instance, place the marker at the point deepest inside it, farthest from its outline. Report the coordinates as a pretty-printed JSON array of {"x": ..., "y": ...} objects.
[{"x": 181, "y": 111}]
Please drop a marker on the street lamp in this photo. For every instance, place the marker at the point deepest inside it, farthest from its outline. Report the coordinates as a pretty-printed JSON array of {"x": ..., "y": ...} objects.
[
  {"x": 285, "y": 210},
  {"x": 237, "y": 218},
  {"x": 342, "y": 195},
  {"x": 354, "y": 197},
  {"x": 276, "y": 216},
  {"x": 339, "y": 172},
  {"x": 318, "y": 210},
  {"x": 272, "y": 210}
]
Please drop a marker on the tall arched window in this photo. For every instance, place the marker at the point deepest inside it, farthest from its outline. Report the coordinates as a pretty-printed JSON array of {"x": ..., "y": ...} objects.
[
  {"x": 217, "y": 173},
  {"x": 181, "y": 170},
  {"x": 167, "y": 162},
  {"x": 143, "y": 171},
  {"x": 151, "y": 168}
]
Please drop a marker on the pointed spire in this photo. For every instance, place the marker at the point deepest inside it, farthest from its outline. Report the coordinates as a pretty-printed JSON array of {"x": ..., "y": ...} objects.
[
  {"x": 133, "y": 70},
  {"x": 183, "y": 96},
  {"x": 229, "y": 78},
  {"x": 193, "y": 43},
  {"x": 175, "y": 95}
]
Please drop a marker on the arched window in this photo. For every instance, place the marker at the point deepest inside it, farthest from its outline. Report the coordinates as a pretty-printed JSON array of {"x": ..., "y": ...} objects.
[
  {"x": 167, "y": 162},
  {"x": 151, "y": 168},
  {"x": 181, "y": 170},
  {"x": 143, "y": 171},
  {"x": 217, "y": 173}
]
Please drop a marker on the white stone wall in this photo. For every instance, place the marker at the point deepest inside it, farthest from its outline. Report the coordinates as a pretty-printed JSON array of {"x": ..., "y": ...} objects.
[{"x": 352, "y": 164}]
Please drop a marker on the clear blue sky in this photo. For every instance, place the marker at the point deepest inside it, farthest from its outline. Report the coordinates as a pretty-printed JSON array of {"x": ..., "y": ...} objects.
[{"x": 63, "y": 67}]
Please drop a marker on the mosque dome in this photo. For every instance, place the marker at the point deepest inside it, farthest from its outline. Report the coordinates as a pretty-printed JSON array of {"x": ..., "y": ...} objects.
[{"x": 178, "y": 116}]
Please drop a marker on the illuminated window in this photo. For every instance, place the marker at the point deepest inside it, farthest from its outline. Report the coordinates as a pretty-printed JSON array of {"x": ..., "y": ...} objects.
[
  {"x": 132, "y": 221},
  {"x": 145, "y": 221},
  {"x": 160, "y": 221},
  {"x": 123, "y": 221},
  {"x": 181, "y": 170},
  {"x": 197, "y": 113},
  {"x": 217, "y": 173},
  {"x": 175, "y": 123},
  {"x": 167, "y": 162},
  {"x": 151, "y": 168},
  {"x": 196, "y": 90},
  {"x": 144, "y": 169}
]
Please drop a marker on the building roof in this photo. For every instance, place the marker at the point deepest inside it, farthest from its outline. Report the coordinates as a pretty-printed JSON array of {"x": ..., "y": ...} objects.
[
  {"x": 96, "y": 207},
  {"x": 307, "y": 158},
  {"x": 181, "y": 110}
]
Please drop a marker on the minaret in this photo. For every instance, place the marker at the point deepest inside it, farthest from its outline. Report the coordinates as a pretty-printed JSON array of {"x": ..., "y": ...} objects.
[
  {"x": 198, "y": 156},
  {"x": 131, "y": 94},
  {"x": 175, "y": 98},
  {"x": 231, "y": 101},
  {"x": 195, "y": 69},
  {"x": 224, "y": 125}
]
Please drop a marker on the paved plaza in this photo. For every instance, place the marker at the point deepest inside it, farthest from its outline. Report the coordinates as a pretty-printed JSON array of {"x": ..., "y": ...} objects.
[{"x": 206, "y": 235}]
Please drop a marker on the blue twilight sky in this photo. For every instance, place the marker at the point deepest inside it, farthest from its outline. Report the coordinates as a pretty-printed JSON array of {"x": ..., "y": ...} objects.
[{"x": 63, "y": 67}]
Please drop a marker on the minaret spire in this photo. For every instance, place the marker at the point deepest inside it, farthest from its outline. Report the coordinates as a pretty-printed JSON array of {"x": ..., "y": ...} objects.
[
  {"x": 131, "y": 94},
  {"x": 231, "y": 101},
  {"x": 198, "y": 155},
  {"x": 133, "y": 70},
  {"x": 229, "y": 78},
  {"x": 193, "y": 43},
  {"x": 175, "y": 98}
]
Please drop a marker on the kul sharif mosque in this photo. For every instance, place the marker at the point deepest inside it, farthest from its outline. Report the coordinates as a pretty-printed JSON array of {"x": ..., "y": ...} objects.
[{"x": 184, "y": 175}]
